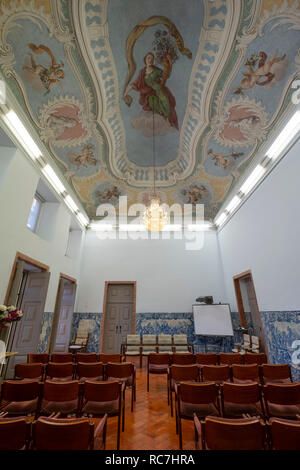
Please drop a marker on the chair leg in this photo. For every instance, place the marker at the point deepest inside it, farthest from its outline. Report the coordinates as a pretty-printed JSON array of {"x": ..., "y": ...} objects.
[
  {"x": 171, "y": 400},
  {"x": 180, "y": 433},
  {"x": 132, "y": 396},
  {"x": 118, "y": 435},
  {"x": 148, "y": 381},
  {"x": 123, "y": 420},
  {"x": 168, "y": 391}
]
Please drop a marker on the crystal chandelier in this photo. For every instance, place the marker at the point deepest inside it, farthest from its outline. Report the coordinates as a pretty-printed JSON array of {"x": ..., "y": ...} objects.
[{"x": 155, "y": 217}]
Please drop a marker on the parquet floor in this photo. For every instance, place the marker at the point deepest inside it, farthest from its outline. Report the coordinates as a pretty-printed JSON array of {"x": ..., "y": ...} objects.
[{"x": 150, "y": 425}]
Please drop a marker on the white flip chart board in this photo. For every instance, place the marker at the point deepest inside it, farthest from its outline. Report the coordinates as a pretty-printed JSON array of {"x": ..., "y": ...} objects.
[{"x": 212, "y": 320}]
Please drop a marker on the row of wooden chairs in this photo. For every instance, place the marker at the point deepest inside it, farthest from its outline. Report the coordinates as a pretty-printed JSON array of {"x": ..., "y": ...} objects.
[
  {"x": 69, "y": 399},
  {"x": 124, "y": 372},
  {"x": 216, "y": 433},
  {"x": 51, "y": 433},
  {"x": 44, "y": 358},
  {"x": 234, "y": 401}
]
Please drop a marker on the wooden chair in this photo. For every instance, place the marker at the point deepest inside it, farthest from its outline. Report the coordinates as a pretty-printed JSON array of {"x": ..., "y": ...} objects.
[
  {"x": 158, "y": 363},
  {"x": 238, "y": 400},
  {"x": 183, "y": 358},
  {"x": 149, "y": 345},
  {"x": 180, "y": 373},
  {"x": 105, "y": 358},
  {"x": 86, "y": 357},
  {"x": 60, "y": 371},
  {"x": 164, "y": 343},
  {"x": 14, "y": 433},
  {"x": 123, "y": 372},
  {"x": 284, "y": 434},
  {"x": 100, "y": 398},
  {"x": 20, "y": 397},
  {"x": 36, "y": 357},
  {"x": 255, "y": 358},
  {"x": 68, "y": 434},
  {"x": 231, "y": 358},
  {"x": 276, "y": 373},
  {"x": 61, "y": 357},
  {"x": 60, "y": 397},
  {"x": 217, "y": 374},
  {"x": 180, "y": 343},
  {"x": 282, "y": 400},
  {"x": 199, "y": 398},
  {"x": 90, "y": 371},
  {"x": 245, "y": 373},
  {"x": 133, "y": 347},
  {"x": 207, "y": 359},
  {"x": 229, "y": 434},
  {"x": 80, "y": 342},
  {"x": 29, "y": 371}
]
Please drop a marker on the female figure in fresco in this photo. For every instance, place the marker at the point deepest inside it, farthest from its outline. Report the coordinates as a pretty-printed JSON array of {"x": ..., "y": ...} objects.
[{"x": 154, "y": 95}]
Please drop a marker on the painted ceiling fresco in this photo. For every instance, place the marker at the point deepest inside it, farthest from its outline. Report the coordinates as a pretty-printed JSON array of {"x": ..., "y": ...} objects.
[{"x": 211, "y": 79}]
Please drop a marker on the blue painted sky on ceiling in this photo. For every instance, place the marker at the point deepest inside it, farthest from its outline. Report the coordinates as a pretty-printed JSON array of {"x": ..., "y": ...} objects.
[{"x": 122, "y": 18}]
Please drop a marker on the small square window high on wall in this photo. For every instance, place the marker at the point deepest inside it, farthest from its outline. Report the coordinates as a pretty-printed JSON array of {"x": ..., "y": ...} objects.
[{"x": 35, "y": 212}]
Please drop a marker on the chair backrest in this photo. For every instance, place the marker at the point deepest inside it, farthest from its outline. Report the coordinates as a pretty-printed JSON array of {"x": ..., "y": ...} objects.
[
  {"x": 231, "y": 358},
  {"x": 240, "y": 393},
  {"x": 90, "y": 369},
  {"x": 283, "y": 394},
  {"x": 133, "y": 340},
  {"x": 105, "y": 358},
  {"x": 242, "y": 372},
  {"x": 198, "y": 393},
  {"x": 285, "y": 434},
  {"x": 207, "y": 358},
  {"x": 159, "y": 358},
  {"x": 14, "y": 433},
  {"x": 183, "y": 358},
  {"x": 62, "y": 434},
  {"x": 233, "y": 434},
  {"x": 60, "y": 370},
  {"x": 276, "y": 372},
  {"x": 184, "y": 372},
  {"x": 216, "y": 373},
  {"x": 149, "y": 339},
  {"x": 82, "y": 339},
  {"x": 60, "y": 391},
  {"x": 180, "y": 339},
  {"x": 121, "y": 370},
  {"x": 62, "y": 357},
  {"x": 255, "y": 344},
  {"x": 86, "y": 357},
  {"x": 246, "y": 341},
  {"x": 29, "y": 371},
  {"x": 255, "y": 358},
  {"x": 36, "y": 357},
  {"x": 20, "y": 390},
  {"x": 102, "y": 391}
]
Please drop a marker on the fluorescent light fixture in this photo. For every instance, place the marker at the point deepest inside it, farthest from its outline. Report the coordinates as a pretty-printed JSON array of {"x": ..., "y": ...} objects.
[
  {"x": 132, "y": 228},
  {"x": 21, "y": 134},
  {"x": 172, "y": 228},
  {"x": 285, "y": 136},
  {"x": 82, "y": 218},
  {"x": 53, "y": 178},
  {"x": 101, "y": 227},
  {"x": 233, "y": 203},
  {"x": 253, "y": 179},
  {"x": 71, "y": 204},
  {"x": 199, "y": 227},
  {"x": 221, "y": 219}
]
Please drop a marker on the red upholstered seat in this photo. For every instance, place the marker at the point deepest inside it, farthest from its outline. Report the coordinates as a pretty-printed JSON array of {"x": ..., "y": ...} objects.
[
  {"x": 282, "y": 400},
  {"x": 29, "y": 371},
  {"x": 241, "y": 399},
  {"x": 245, "y": 373},
  {"x": 60, "y": 397},
  {"x": 20, "y": 397},
  {"x": 276, "y": 373},
  {"x": 14, "y": 433}
]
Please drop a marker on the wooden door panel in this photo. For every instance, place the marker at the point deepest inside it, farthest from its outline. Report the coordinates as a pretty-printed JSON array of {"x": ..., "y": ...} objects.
[{"x": 63, "y": 315}]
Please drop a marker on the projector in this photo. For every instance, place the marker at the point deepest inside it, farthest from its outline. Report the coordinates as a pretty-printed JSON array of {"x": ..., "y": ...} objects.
[{"x": 208, "y": 299}]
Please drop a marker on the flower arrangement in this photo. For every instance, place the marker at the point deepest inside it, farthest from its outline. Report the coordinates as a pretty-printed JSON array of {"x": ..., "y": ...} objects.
[
  {"x": 164, "y": 45},
  {"x": 9, "y": 314}
]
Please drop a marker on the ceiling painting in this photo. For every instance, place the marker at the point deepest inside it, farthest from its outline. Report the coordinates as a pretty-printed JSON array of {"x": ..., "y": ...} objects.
[{"x": 99, "y": 78}]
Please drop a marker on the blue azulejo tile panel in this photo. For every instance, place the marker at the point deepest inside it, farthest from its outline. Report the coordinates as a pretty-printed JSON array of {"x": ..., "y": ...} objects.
[
  {"x": 90, "y": 322},
  {"x": 45, "y": 332},
  {"x": 282, "y": 333}
]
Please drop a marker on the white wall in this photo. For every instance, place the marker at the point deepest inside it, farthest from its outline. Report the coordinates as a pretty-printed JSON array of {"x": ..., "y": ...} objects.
[
  {"x": 264, "y": 236},
  {"x": 169, "y": 278},
  {"x": 18, "y": 182}
]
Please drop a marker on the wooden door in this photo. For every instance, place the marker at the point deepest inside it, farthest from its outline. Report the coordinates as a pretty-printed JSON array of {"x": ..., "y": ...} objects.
[
  {"x": 26, "y": 336},
  {"x": 118, "y": 316},
  {"x": 62, "y": 322}
]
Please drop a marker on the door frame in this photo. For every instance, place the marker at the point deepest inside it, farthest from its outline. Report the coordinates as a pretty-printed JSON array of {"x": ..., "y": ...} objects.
[
  {"x": 133, "y": 320},
  {"x": 241, "y": 311},
  {"x": 68, "y": 278},
  {"x": 21, "y": 256}
]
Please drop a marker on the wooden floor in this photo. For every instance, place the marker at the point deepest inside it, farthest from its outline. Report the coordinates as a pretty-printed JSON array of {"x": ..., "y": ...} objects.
[{"x": 150, "y": 425}]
